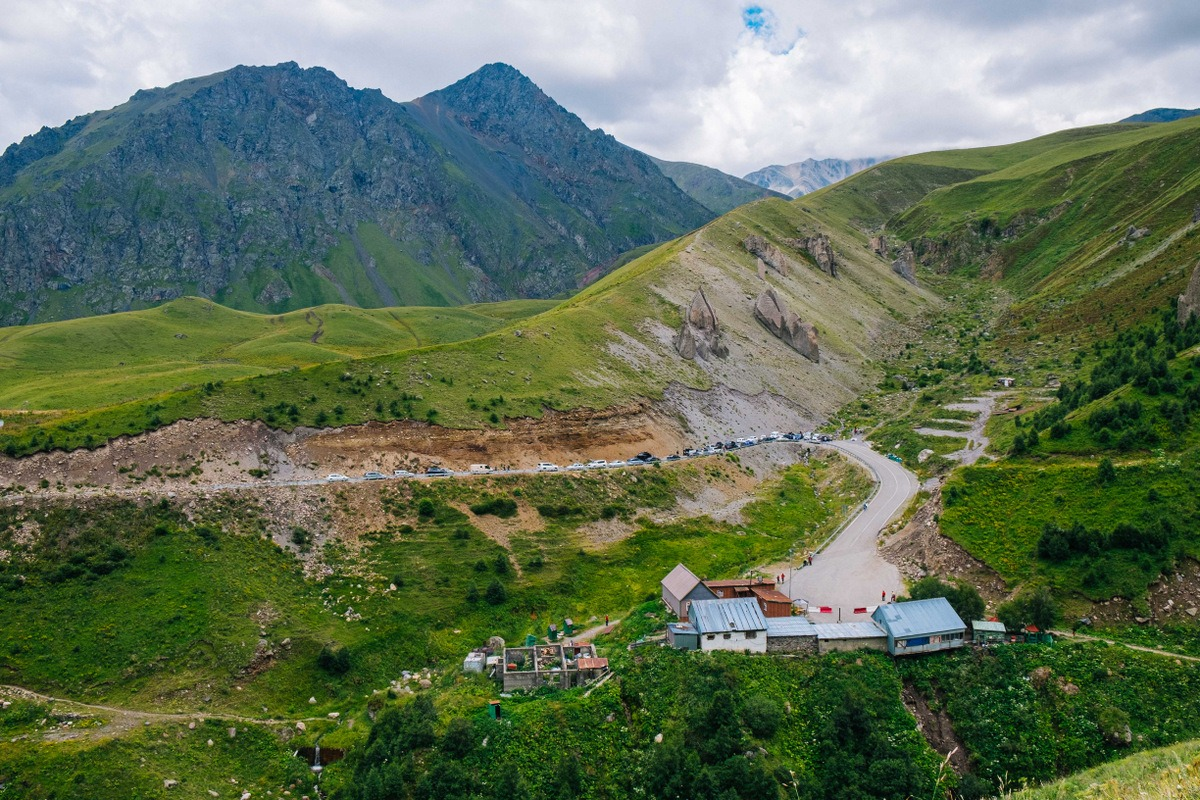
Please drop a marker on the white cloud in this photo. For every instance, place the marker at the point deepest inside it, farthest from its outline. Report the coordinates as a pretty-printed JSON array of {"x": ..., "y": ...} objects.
[{"x": 715, "y": 82}]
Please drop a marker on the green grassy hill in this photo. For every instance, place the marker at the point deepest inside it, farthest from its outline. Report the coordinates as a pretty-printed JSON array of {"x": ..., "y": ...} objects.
[
  {"x": 101, "y": 361},
  {"x": 609, "y": 345}
]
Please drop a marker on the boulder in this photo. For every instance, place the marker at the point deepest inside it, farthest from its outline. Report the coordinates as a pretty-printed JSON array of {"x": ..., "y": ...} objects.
[
  {"x": 1189, "y": 301},
  {"x": 700, "y": 334},
  {"x": 768, "y": 253},
  {"x": 905, "y": 265},
  {"x": 784, "y": 323},
  {"x": 820, "y": 249}
]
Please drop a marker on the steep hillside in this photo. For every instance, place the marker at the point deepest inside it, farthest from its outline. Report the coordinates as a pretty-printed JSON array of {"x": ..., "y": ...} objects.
[
  {"x": 614, "y": 344},
  {"x": 711, "y": 188},
  {"x": 276, "y": 188},
  {"x": 808, "y": 175}
]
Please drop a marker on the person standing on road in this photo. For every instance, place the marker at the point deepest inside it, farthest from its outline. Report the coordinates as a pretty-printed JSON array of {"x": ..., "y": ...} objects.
[{"x": 883, "y": 596}]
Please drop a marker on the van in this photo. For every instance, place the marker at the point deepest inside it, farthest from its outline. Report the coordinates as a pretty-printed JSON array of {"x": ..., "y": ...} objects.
[{"x": 546, "y": 466}]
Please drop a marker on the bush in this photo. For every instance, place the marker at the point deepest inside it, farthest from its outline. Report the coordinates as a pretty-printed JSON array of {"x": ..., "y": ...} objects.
[
  {"x": 335, "y": 660},
  {"x": 762, "y": 716},
  {"x": 962, "y": 596},
  {"x": 495, "y": 594},
  {"x": 503, "y": 507},
  {"x": 426, "y": 508}
]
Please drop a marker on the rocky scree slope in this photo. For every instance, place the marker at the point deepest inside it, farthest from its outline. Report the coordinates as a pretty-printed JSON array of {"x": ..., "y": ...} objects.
[{"x": 275, "y": 188}]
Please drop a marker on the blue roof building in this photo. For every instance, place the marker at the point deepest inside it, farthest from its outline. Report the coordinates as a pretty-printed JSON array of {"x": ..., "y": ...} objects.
[
  {"x": 736, "y": 624},
  {"x": 920, "y": 626}
]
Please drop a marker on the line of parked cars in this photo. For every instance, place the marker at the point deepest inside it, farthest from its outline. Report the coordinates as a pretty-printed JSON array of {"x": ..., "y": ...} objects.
[{"x": 640, "y": 459}]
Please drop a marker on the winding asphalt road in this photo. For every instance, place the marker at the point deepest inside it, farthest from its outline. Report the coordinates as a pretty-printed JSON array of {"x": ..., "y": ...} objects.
[{"x": 849, "y": 573}]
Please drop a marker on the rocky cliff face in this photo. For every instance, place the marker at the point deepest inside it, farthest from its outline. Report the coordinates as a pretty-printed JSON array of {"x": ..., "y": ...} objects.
[
  {"x": 768, "y": 254},
  {"x": 700, "y": 336},
  {"x": 820, "y": 249},
  {"x": 905, "y": 265},
  {"x": 270, "y": 188},
  {"x": 776, "y": 317},
  {"x": 1189, "y": 301}
]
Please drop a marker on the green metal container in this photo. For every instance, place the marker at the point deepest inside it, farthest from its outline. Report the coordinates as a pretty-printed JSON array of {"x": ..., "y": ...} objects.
[
  {"x": 568, "y": 627},
  {"x": 530, "y": 640},
  {"x": 552, "y": 633}
]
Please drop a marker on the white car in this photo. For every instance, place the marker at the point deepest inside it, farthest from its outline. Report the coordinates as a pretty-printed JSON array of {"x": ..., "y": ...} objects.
[
  {"x": 403, "y": 473},
  {"x": 617, "y": 464},
  {"x": 336, "y": 477},
  {"x": 546, "y": 466},
  {"x": 480, "y": 469},
  {"x": 576, "y": 466},
  {"x": 597, "y": 463}
]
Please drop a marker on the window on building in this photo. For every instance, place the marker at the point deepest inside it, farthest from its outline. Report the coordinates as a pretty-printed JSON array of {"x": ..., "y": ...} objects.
[
  {"x": 725, "y": 635},
  {"x": 710, "y": 636},
  {"x": 751, "y": 634}
]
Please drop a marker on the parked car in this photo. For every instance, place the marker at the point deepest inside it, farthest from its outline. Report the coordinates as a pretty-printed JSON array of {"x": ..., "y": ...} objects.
[
  {"x": 576, "y": 466},
  {"x": 896, "y": 458},
  {"x": 546, "y": 466},
  {"x": 673, "y": 457},
  {"x": 403, "y": 473},
  {"x": 643, "y": 458},
  {"x": 374, "y": 476},
  {"x": 337, "y": 477},
  {"x": 596, "y": 463},
  {"x": 437, "y": 472},
  {"x": 617, "y": 463},
  {"x": 480, "y": 469}
]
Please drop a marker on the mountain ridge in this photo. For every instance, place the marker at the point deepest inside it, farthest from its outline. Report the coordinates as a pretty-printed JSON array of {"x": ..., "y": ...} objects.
[
  {"x": 274, "y": 188},
  {"x": 805, "y": 177}
]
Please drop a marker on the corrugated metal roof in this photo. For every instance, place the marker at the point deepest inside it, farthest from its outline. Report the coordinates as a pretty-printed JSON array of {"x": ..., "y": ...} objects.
[
  {"x": 789, "y": 626},
  {"x": 680, "y": 581},
  {"x": 592, "y": 663},
  {"x": 680, "y": 627},
  {"x": 919, "y": 618},
  {"x": 722, "y": 616},
  {"x": 735, "y": 583},
  {"x": 989, "y": 626},
  {"x": 848, "y": 630}
]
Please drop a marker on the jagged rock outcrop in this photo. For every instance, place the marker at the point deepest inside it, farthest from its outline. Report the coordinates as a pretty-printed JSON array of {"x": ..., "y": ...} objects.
[
  {"x": 821, "y": 250},
  {"x": 776, "y": 317},
  {"x": 770, "y": 255},
  {"x": 1189, "y": 301},
  {"x": 700, "y": 335},
  {"x": 905, "y": 265},
  {"x": 879, "y": 245}
]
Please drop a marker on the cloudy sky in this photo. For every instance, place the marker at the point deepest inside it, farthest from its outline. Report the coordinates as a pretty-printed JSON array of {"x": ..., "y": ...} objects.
[{"x": 735, "y": 85}]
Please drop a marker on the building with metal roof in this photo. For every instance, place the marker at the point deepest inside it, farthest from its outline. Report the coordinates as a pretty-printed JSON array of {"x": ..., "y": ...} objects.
[
  {"x": 791, "y": 635},
  {"x": 844, "y": 636},
  {"x": 920, "y": 626},
  {"x": 680, "y": 588},
  {"x": 736, "y": 624},
  {"x": 986, "y": 630}
]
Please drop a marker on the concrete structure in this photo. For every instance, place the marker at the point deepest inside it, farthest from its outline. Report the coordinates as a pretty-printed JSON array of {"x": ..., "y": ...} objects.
[
  {"x": 984, "y": 631},
  {"x": 683, "y": 636},
  {"x": 791, "y": 635},
  {"x": 920, "y": 626},
  {"x": 736, "y": 624},
  {"x": 833, "y": 637},
  {"x": 680, "y": 588}
]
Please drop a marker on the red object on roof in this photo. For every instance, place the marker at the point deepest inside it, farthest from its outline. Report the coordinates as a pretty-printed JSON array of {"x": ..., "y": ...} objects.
[
  {"x": 1032, "y": 629},
  {"x": 592, "y": 663}
]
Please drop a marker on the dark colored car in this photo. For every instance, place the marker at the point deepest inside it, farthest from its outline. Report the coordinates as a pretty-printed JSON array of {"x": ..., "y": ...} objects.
[{"x": 438, "y": 472}]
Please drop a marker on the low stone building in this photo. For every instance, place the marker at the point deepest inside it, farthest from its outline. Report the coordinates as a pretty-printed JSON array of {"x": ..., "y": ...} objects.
[
  {"x": 736, "y": 624},
  {"x": 792, "y": 635}
]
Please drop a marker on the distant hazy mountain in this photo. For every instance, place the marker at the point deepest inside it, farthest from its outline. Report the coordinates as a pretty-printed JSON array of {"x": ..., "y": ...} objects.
[
  {"x": 808, "y": 175},
  {"x": 275, "y": 188},
  {"x": 717, "y": 191},
  {"x": 1163, "y": 115}
]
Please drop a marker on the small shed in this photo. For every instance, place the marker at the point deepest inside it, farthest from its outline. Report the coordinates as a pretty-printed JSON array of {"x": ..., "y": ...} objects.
[
  {"x": 920, "y": 626},
  {"x": 984, "y": 631},
  {"x": 736, "y": 624},
  {"x": 683, "y": 636},
  {"x": 773, "y": 602},
  {"x": 791, "y": 635},
  {"x": 680, "y": 588},
  {"x": 833, "y": 637}
]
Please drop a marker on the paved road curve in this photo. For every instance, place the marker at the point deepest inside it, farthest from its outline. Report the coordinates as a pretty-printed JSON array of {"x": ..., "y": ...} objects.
[{"x": 850, "y": 573}]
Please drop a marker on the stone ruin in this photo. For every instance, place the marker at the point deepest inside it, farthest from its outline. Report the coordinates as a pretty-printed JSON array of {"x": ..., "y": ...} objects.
[
  {"x": 784, "y": 323},
  {"x": 700, "y": 335}
]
